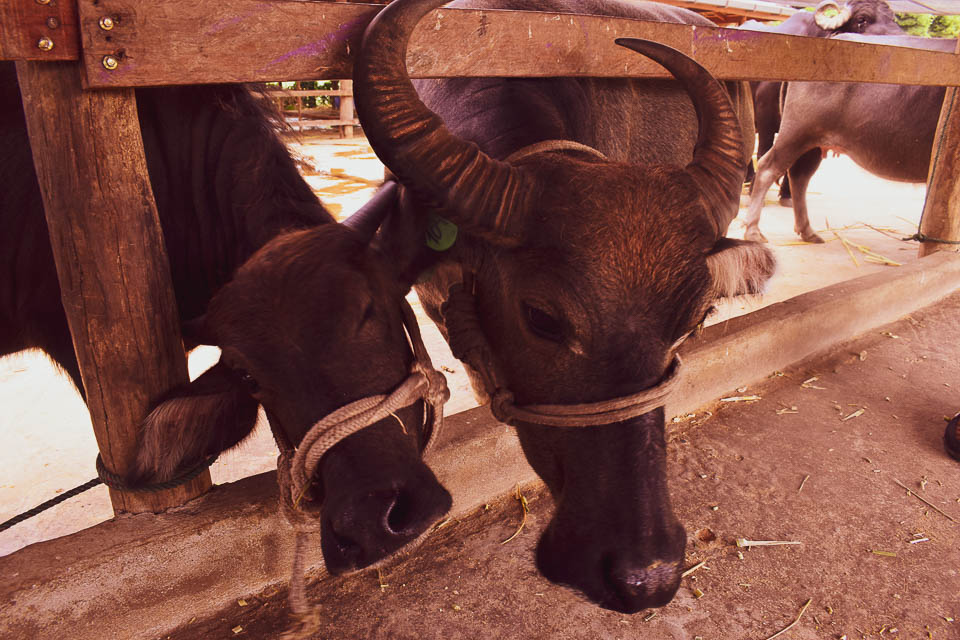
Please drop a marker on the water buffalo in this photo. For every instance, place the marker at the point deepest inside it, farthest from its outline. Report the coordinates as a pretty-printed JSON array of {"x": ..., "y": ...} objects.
[
  {"x": 856, "y": 16},
  {"x": 887, "y": 129},
  {"x": 575, "y": 231},
  {"x": 305, "y": 312}
]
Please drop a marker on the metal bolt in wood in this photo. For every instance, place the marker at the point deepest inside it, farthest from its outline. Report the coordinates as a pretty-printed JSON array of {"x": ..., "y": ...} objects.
[
  {"x": 45, "y": 44},
  {"x": 43, "y": 1},
  {"x": 53, "y": 23},
  {"x": 106, "y": 23},
  {"x": 110, "y": 63}
]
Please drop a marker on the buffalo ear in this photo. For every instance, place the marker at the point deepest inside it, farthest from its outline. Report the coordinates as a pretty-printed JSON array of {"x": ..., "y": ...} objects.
[
  {"x": 740, "y": 267},
  {"x": 207, "y": 416}
]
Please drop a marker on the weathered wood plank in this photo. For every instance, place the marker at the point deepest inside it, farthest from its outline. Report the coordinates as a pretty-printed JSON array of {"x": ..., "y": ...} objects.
[
  {"x": 237, "y": 41},
  {"x": 110, "y": 257},
  {"x": 32, "y": 30},
  {"x": 304, "y": 93},
  {"x": 941, "y": 209}
]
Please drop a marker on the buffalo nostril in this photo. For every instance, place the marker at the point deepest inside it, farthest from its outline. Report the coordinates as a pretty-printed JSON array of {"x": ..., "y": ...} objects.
[
  {"x": 653, "y": 585},
  {"x": 401, "y": 514}
]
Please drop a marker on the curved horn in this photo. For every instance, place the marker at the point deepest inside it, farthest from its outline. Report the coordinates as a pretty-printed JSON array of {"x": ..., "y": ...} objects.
[
  {"x": 831, "y": 23},
  {"x": 368, "y": 218},
  {"x": 718, "y": 157},
  {"x": 478, "y": 192}
]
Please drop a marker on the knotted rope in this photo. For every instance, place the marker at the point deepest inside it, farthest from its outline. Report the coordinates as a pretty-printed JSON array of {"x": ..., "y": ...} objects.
[
  {"x": 468, "y": 344},
  {"x": 297, "y": 466}
]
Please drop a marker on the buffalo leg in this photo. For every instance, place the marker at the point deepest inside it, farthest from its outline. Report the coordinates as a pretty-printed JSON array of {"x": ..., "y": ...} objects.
[
  {"x": 772, "y": 165},
  {"x": 786, "y": 199},
  {"x": 800, "y": 174}
]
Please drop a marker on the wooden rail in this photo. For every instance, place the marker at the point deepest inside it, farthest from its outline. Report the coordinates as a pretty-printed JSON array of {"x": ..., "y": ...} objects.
[
  {"x": 347, "y": 117},
  {"x": 121, "y": 44},
  {"x": 236, "y": 41}
]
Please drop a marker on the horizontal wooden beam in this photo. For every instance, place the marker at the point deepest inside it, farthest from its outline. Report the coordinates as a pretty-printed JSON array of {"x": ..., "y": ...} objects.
[
  {"x": 727, "y": 10},
  {"x": 183, "y": 41},
  {"x": 304, "y": 93},
  {"x": 33, "y": 30}
]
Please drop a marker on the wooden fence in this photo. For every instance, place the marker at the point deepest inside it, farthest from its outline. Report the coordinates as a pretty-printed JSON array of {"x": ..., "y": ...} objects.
[
  {"x": 342, "y": 116},
  {"x": 65, "y": 47}
]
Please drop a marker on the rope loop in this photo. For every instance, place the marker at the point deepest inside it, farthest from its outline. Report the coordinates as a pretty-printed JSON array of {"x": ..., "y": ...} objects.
[
  {"x": 118, "y": 482},
  {"x": 922, "y": 237},
  {"x": 469, "y": 344},
  {"x": 297, "y": 466}
]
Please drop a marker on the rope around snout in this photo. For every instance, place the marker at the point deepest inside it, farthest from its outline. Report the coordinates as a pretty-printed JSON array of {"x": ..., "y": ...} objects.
[
  {"x": 296, "y": 467},
  {"x": 589, "y": 414},
  {"x": 469, "y": 344}
]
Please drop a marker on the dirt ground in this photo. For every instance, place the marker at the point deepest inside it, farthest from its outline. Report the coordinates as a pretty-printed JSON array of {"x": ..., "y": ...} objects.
[
  {"x": 753, "y": 459},
  {"x": 815, "y": 461}
]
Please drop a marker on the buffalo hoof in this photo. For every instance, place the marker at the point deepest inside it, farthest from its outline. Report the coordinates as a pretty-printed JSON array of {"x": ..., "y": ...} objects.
[
  {"x": 951, "y": 437},
  {"x": 754, "y": 235},
  {"x": 812, "y": 238},
  {"x": 786, "y": 202}
]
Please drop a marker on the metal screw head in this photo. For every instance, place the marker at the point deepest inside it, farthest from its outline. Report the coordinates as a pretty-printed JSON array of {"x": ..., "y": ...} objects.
[
  {"x": 45, "y": 44},
  {"x": 53, "y": 23},
  {"x": 106, "y": 23},
  {"x": 43, "y": 1},
  {"x": 110, "y": 63}
]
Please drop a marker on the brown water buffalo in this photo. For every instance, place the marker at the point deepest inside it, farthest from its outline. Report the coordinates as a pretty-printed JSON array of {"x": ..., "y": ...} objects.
[
  {"x": 887, "y": 129},
  {"x": 305, "y": 312},
  {"x": 586, "y": 219},
  {"x": 856, "y": 16}
]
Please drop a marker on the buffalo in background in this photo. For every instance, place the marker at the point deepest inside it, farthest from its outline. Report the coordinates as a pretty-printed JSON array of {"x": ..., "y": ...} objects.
[
  {"x": 576, "y": 231},
  {"x": 887, "y": 129},
  {"x": 856, "y": 16},
  {"x": 305, "y": 312}
]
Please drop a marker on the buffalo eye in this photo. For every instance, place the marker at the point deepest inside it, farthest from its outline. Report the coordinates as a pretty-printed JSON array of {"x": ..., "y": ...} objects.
[
  {"x": 249, "y": 383},
  {"x": 543, "y": 324}
]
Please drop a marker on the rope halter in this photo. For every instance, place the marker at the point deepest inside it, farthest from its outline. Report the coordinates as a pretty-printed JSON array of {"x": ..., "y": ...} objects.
[
  {"x": 469, "y": 344},
  {"x": 297, "y": 466},
  {"x": 589, "y": 414}
]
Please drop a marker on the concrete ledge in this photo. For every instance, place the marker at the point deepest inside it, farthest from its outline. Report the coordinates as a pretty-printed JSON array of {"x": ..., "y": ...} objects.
[
  {"x": 139, "y": 576},
  {"x": 747, "y": 349}
]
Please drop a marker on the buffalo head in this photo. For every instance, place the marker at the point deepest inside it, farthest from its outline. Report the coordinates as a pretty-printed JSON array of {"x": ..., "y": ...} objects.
[
  {"x": 856, "y": 16},
  {"x": 586, "y": 275},
  {"x": 310, "y": 323}
]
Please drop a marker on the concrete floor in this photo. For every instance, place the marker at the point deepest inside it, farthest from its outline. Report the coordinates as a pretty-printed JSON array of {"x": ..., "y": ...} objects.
[
  {"x": 810, "y": 462},
  {"x": 48, "y": 443}
]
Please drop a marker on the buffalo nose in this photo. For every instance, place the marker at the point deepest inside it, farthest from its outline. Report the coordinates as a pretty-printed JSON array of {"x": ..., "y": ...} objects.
[
  {"x": 634, "y": 588},
  {"x": 625, "y": 573},
  {"x": 374, "y": 525}
]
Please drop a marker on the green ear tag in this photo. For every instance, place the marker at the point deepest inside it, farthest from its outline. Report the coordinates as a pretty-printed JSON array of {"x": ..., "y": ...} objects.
[{"x": 441, "y": 233}]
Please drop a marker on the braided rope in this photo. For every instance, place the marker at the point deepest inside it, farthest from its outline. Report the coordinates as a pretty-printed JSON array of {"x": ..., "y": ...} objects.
[
  {"x": 469, "y": 344},
  {"x": 588, "y": 414},
  {"x": 40, "y": 508},
  {"x": 922, "y": 237},
  {"x": 114, "y": 481},
  {"x": 296, "y": 467}
]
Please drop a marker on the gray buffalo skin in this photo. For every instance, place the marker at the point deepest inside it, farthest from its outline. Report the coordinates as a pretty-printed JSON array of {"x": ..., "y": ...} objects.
[
  {"x": 865, "y": 16},
  {"x": 887, "y": 129}
]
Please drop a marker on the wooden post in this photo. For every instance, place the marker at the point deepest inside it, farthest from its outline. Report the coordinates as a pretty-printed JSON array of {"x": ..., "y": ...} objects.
[
  {"x": 346, "y": 108},
  {"x": 111, "y": 260},
  {"x": 941, "y": 210}
]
